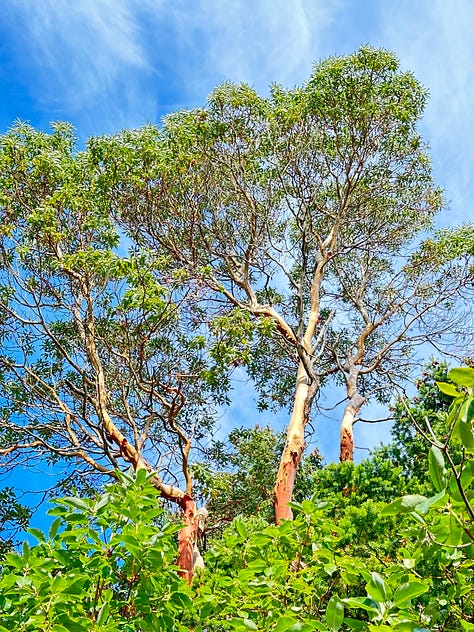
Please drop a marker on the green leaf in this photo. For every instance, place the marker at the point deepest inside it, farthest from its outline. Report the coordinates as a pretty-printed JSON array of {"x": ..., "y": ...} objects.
[
  {"x": 434, "y": 501},
  {"x": 36, "y": 533},
  {"x": 376, "y": 588},
  {"x": 448, "y": 389},
  {"x": 54, "y": 528},
  {"x": 285, "y": 623},
  {"x": 405, "y": 504},
  {"x": 436, "y": 468},
  {"x": 362, "y": 602},
  {"x": 76, "y": 502},
  {"x": 409, "y": 590},
  {"x": 334, "y": 613},
  {"x": 462, "y": 376},
  {"x": 141, "y": 475},
  {"x": 241, "y": 530},
  {"x": 103, "y": 613},
  {"x": 466, "y": 434},
  {"x": 467, "y": 410}
]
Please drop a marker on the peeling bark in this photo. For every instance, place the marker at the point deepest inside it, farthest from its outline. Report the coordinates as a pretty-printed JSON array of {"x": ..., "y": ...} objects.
[
  {"x": 346, "y": 444},
  {"x": 294, "y": 446},
  {"x": 187, "y": 538}
]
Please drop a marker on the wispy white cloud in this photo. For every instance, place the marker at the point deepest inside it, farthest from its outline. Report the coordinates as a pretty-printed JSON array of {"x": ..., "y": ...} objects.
[
  {"x": 84, "y": 55},
  {"x": 255, "y": 42},
  {"x": 117, "y": 63},
  {"x": 436, "y": 43}
]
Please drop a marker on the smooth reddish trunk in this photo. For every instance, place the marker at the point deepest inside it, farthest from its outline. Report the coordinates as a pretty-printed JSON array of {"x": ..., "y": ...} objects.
[
  {"x": 346, "y": 451},
  {"x": 346, "y": 443},
  {"x": 187, "y": 538},
  {"x": 285, "y": 484},
  {"x": 294, "y": 446}
]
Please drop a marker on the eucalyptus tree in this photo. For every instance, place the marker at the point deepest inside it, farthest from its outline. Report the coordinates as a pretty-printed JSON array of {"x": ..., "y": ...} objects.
[
  {"x": 298, "y": 214},
  {"x": 98, "y": 368}
]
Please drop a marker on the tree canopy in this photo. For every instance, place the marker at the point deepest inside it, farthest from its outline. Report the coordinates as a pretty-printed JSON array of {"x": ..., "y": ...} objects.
[{"x": 289, "y": 235}]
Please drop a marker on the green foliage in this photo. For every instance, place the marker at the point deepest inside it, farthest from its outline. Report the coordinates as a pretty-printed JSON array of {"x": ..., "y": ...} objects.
[
  {"x": 107, "y": 562},
  {"x": 239, "y": 476},
  {"x": 106, "y": 565},
  {"x": 13, "y": 517}
]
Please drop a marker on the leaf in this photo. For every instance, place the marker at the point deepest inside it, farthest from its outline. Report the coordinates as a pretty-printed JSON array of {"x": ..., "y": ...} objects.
[
  {"x": 462, "y": 376},
  {"x": 467, "y": 411},
  {"x": 466, "y": 434},
  {"x": 103, "y": 613},
  {"x": 448, "y": 389},
  {"x": 434, "y": 501},
  {"x": 362, "y": 602},
  {"x": 241, "y": 530},
  {"x": 54, "y": 528},
  {"x": 76, "y": 502},
  {"x": 436, "y": 468},
  {"x": 101, "y": 503},
  {"x": 141, "y": 475},
  {"x": 376, "y": 588},
  {"x": 285, "y": 623},
  {"x": 409, "y": 590},
  {"x": 36, "y": 533},
  {"x": 334, "y": 613},
  {"x": 405, "y": 504}
]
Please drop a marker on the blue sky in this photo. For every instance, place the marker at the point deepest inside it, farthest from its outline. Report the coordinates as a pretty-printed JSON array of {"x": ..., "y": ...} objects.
[{"x": 108, "y": 64}]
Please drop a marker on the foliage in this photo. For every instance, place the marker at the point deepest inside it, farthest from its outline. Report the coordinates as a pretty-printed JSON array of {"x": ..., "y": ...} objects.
[
  {"x": 101, "y": 365},
  {"x": 239, "y": 476},
  {"x": 13, "y": 517},
  {"x": 310, "y": 573},
  {"x": 106, "y": 565},
  {"x": 107, "y": 562}
]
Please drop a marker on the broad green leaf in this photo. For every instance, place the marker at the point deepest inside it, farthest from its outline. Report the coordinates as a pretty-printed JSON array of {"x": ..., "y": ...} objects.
[
  {"x": 362, "y": 602},
  {"x": 54, "y": 528},
  {"x": 37, "y": 533},
  {"x": 448, "y": 389},
  {"x": 285, "y": 623},
  {"x": 405, "y": 504},
  {"x": 408, "y": 591},
  {"x": 76, "y": 502},
  {"x": 103, "y": 613},
  {"x": 141, "y": 475},
  {"x": 240, "y": 527},
  {"x": 467, "y": 410},
  {"x": 376, "y": 588},
  {"x": 308, "y": 506},
  {"x": 462, "y": 376},
  {"x": 436, "y": 468},
  {"x": 435, "y": 501},
  {"x": 466, "y": 434},
  {"x": 334, "y": 613}
]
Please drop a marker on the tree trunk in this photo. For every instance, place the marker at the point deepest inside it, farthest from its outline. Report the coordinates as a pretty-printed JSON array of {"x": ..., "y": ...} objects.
[
  {"x": 187, "y": 537},
  {"x": 294, "y": 446},
  {"x": 346, "y": 446}
]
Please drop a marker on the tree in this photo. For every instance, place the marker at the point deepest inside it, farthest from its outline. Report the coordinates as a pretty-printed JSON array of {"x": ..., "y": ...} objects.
[
  {"x": 13, "y": 517},
  {"x": 299, "y": 214},
  {"x": 98, "y": 370},
  {"x": 238, "y": 477}
]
